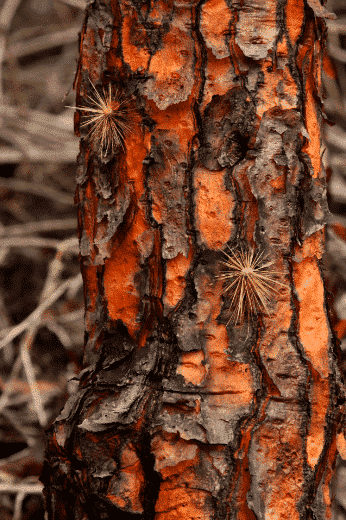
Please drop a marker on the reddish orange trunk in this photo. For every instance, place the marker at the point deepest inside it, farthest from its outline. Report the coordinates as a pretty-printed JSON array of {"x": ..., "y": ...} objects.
[{"x": 182, "y": 411}]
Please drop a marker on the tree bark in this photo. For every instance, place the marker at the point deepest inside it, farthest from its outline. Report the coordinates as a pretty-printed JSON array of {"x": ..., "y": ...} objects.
[{"x": 183, "y": 411}]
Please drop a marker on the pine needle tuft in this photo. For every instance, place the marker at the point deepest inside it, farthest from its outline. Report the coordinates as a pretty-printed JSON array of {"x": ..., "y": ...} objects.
[
  {"x": 249, "y": 283},
  {"x": 109, "y": 118}
]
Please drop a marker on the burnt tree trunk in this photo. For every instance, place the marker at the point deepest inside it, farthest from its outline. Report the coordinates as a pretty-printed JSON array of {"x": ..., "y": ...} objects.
[{"x": 200, "y": 402}]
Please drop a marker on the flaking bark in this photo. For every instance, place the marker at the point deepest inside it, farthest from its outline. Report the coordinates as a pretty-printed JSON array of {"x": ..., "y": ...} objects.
[{"x": 180, "y": 413}]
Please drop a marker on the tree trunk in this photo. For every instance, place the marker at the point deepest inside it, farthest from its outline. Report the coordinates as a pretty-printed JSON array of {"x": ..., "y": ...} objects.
[{"x": 211, "y": 388}]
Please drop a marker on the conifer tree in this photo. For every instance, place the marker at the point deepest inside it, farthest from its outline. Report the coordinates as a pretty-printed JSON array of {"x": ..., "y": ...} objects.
[{"x": 211, "y": 387}]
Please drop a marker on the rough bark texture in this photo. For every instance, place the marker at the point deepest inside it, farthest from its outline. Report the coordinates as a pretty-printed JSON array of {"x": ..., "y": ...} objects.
[{"x": 180, "y": 413}]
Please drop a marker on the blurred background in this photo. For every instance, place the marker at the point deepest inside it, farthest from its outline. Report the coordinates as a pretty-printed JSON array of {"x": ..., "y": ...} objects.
[{"x": 41, "y": 303}]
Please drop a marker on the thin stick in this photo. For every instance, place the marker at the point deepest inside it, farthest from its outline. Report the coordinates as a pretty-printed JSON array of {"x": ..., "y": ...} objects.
[
  {"x": 42, "y": 43},
  {"x": 37, "y": 189},
  {"x": 29, "y": 489},
  {"x": 39, "y": 227},
  {"x": 29, "y": 242}
]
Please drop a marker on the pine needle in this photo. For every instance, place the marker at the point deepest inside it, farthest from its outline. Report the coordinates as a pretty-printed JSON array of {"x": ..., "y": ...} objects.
[
  {"x": 249, "y": 283},
  {"x": 109, "y": 118}
]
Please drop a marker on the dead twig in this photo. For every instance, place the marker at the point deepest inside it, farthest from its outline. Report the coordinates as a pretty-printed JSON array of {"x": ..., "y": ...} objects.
[
  {"x": 5, "y": 395},
  {"x": 337, "y": 26},
  {"x": 39, "y": 136},
  {"x": 41, "y": 43},
  {"x": 81, "y": 4},
  {"x": 337, "y": 53},
  {"x": 60, "y": 332},
  {"x": 29, "y": 242},
  {"x": 29, "y": 489},
  {"x": 7, "y": 13},
  {"x": 26, "y": 487},
  {"x": 39, "y": 155},
  {"x": 18, "y": 502},
  {"x": 71, "y": 316},
  {"x": 40, "y": 226},
  {"x": 30, "y": 374},
  {"x": 35, "y": 316},
  {"x": 336, "y": 137},
  {"x": 36, "y": 188}
]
